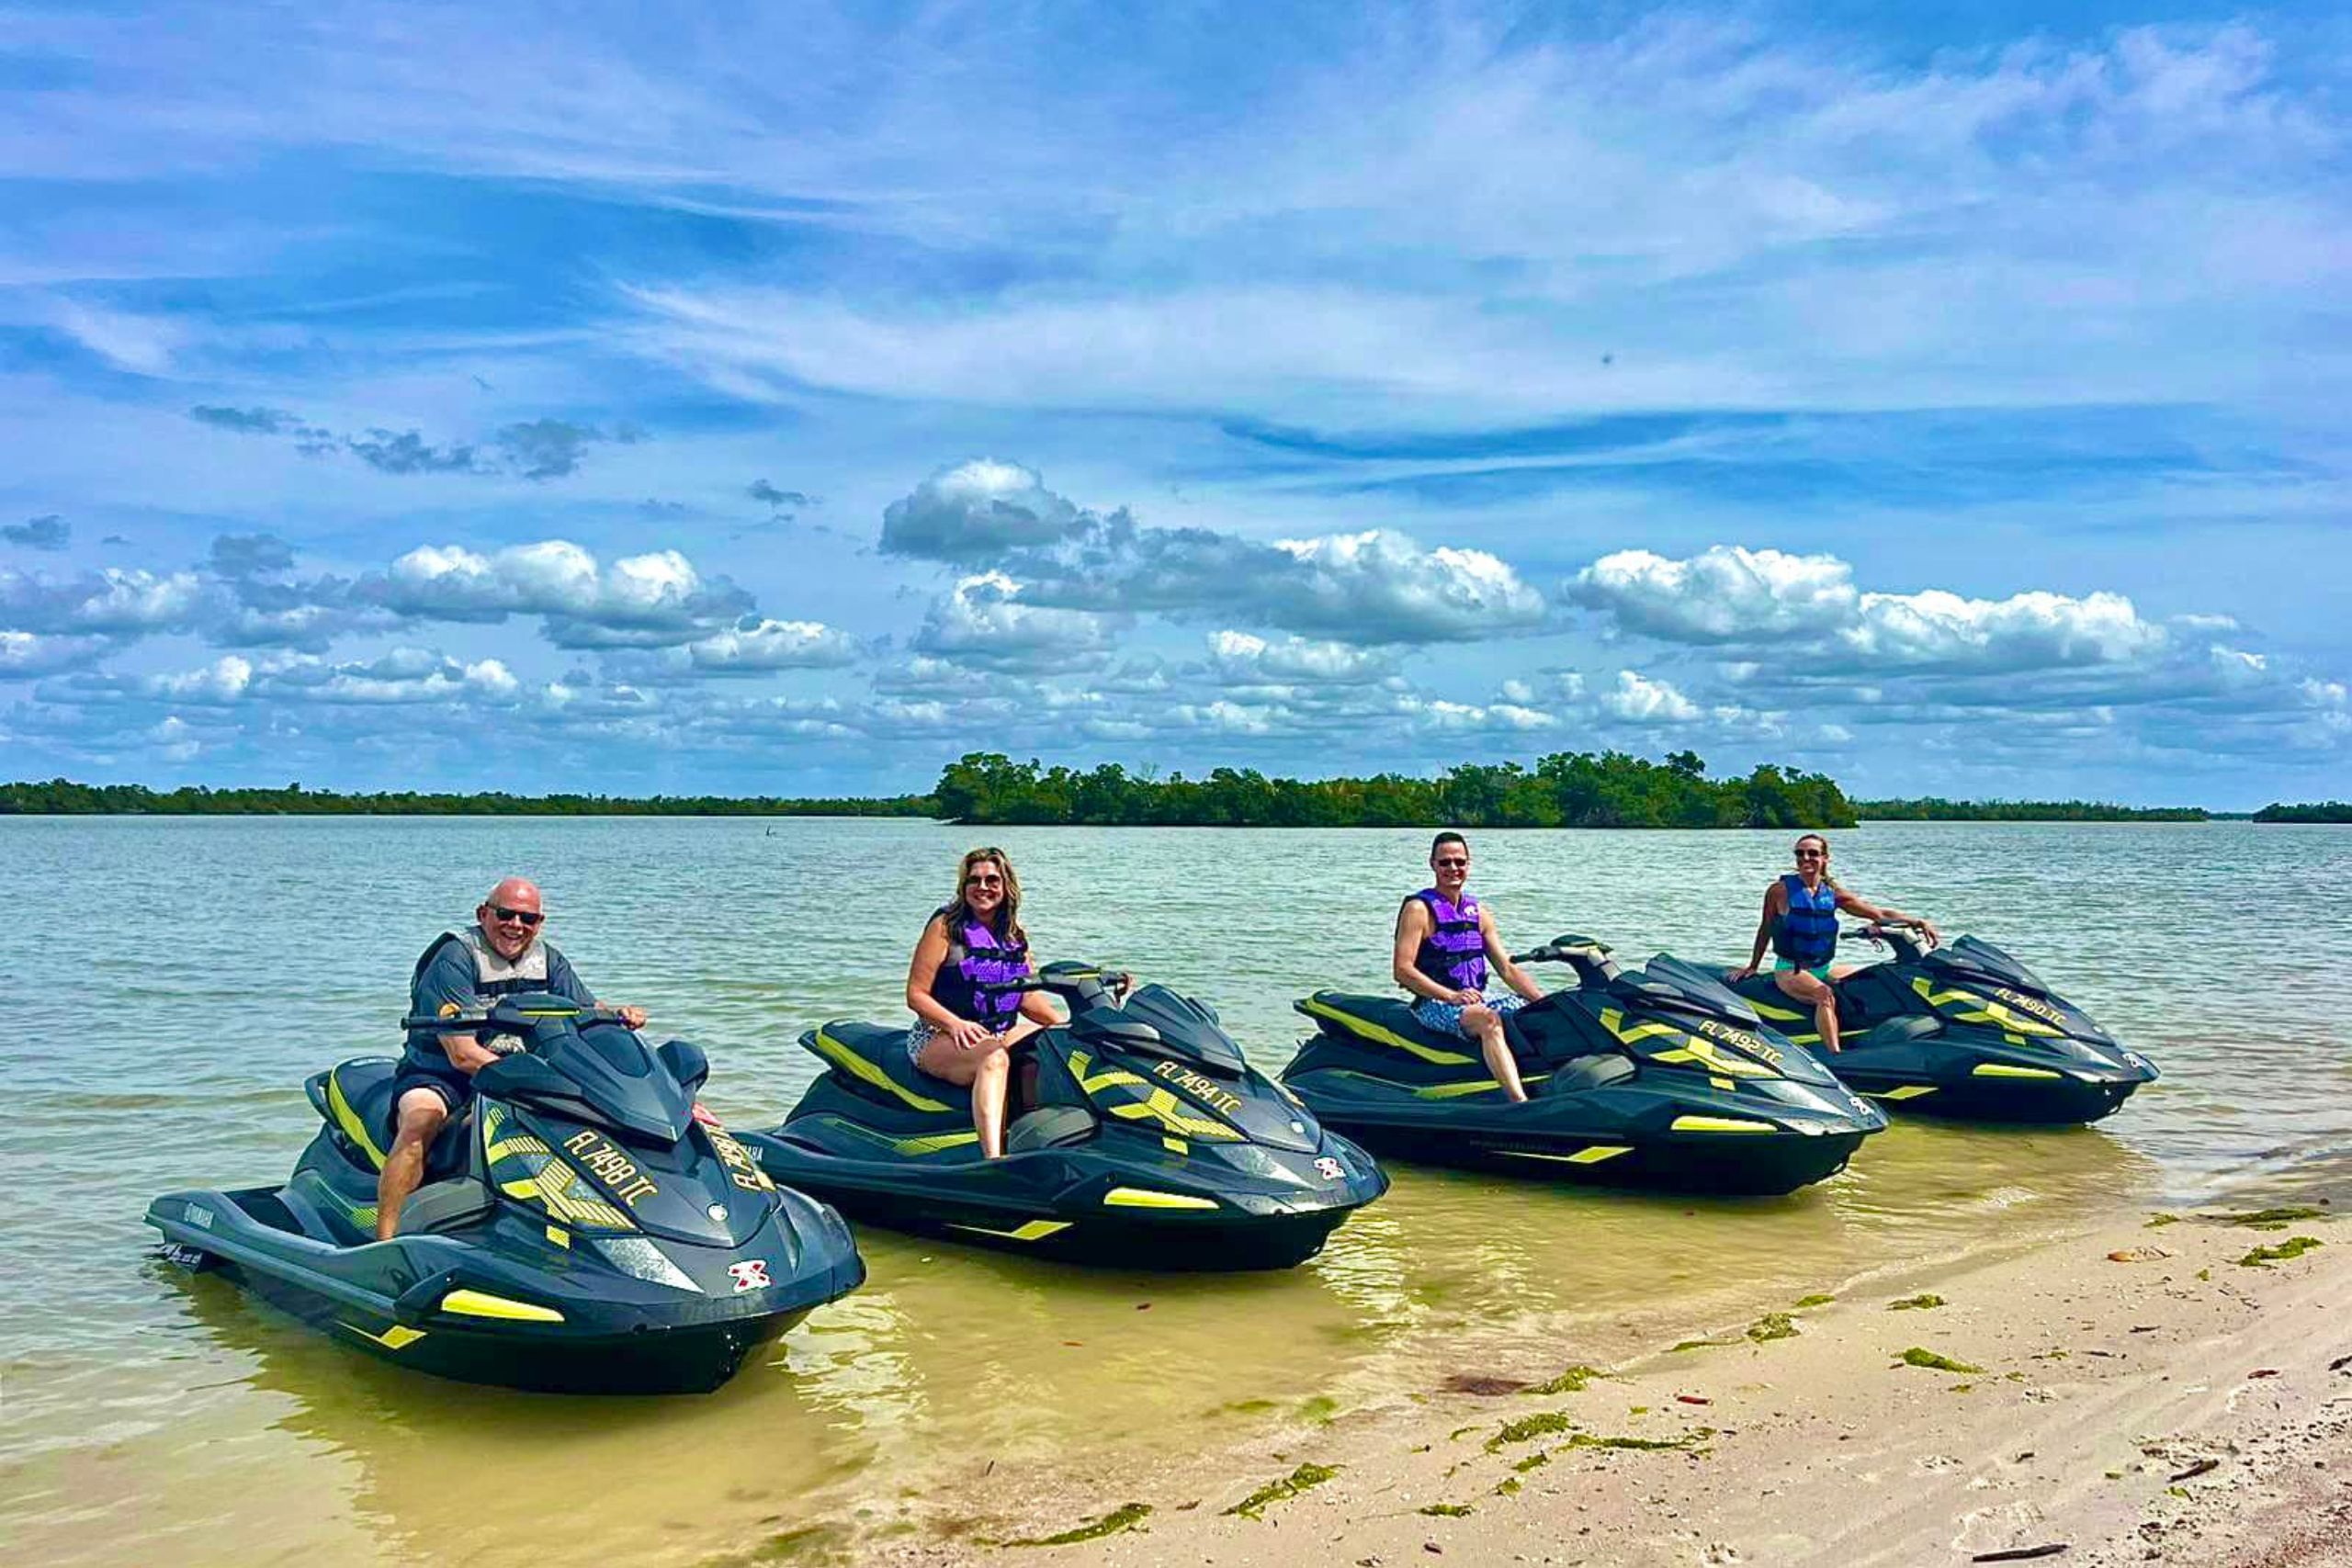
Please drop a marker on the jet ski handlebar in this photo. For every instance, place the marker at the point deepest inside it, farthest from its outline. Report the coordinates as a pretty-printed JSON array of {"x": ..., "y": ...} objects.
[
  {"x": 1081, "y": 984},
  {"x": 1906, "y": 945},
  {"x": 1588, "y": 956},
  {"x": 507, "y": 1019}
]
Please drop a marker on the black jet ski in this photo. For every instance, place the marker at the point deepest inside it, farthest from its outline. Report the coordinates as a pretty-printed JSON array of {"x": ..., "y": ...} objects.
[
  {"x": 1963, "y": 1031},
  {"x": 1655, "y": 1077},
  {"x": 1140, "y": 1137},
  {"x": 578, "y": 1230}
]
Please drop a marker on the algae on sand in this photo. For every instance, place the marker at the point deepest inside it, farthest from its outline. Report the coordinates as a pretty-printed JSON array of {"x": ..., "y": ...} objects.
[
  {"x": 2276, "y": 1219},
  {"x": 1572, "y": 1381},
  {"x": 1304, "y": 1478},
  {"x": 1772, "y": 1326},
  {"x": 1921, "y": 1303},
  {"x": 1817, "y": 1300},
  {"x": 1542, "y": 1424},
  {"x": 2294, "y": 1247},
  {"x": 1126, "y": 1517},
  {"x": 1445, "y": 1510},
  {"x": 1918, "y": 1356}
]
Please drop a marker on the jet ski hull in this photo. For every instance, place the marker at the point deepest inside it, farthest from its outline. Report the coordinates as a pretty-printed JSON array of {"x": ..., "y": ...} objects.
[
  {"x": 1511, "y": 1140},
  {"x": 1954, "y": 1090},
  {"x": 1097, "y": 1210}
]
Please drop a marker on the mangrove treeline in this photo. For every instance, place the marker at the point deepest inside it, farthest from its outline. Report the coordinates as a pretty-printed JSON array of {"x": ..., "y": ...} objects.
[
  {"x": 65, "y": 797},
  {"x": 1567, "y": 789},
  {"x": 1934, "y": 809},
  {"x": 2316, "y": 811}
]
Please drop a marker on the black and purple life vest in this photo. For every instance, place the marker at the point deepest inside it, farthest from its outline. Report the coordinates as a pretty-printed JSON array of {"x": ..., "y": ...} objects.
[
  {"x": 1454, "y": 953},
  {"x": 981, "y": 977}
]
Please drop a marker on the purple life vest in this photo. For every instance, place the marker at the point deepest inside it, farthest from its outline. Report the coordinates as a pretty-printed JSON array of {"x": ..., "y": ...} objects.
[
  {"x": 1454, "y": 953},
  {"x": 980, "y": 976}
]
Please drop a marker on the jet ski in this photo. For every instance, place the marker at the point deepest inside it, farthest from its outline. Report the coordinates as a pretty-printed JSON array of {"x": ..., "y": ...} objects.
[
  {"x": 1144, "y": 1140},
  {"x": 1962, "y": 1030},
  {"x": 579, "y": 1230},
  {"x": 1652, "y": 1076}
]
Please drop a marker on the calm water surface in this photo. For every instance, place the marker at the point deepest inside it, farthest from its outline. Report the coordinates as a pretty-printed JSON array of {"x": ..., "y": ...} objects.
[{"x": 168, "y": 984}]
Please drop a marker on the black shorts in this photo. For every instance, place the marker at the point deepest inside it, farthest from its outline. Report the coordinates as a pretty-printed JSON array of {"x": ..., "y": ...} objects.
[{"x": 455, "y": 1088}]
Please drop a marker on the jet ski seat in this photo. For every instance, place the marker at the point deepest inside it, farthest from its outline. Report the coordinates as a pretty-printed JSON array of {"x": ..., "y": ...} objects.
[
  {"x": 871, "y": 1059},
  {"x": 1385, "y": 1020},
  {"x": 355, "y": 1097},
  {"x": 446, "y": 1205},
  {"x": 1049, "y": 1126}
]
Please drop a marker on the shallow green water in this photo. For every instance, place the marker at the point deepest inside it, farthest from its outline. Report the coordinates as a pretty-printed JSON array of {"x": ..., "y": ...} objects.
[{"x": 169, "y": 983}]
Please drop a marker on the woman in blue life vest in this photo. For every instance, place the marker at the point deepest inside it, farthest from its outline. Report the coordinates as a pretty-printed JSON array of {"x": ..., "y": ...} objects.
[
  {"x": 1446, "y": 946},
  {"x": 963, "y": 987},
  {"x": 1800, "y": 926}
]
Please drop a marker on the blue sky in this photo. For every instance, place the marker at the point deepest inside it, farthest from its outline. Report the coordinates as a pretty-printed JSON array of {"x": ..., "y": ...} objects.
[{"x": 788, "y": 400}]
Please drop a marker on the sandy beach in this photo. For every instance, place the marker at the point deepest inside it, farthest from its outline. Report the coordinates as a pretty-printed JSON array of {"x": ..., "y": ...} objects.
[{"x": 2161, "y": 1389}]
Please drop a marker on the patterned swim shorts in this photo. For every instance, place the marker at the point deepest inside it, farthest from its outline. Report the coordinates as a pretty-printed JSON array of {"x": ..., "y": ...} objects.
[{"x": 1446, "y": 1017}]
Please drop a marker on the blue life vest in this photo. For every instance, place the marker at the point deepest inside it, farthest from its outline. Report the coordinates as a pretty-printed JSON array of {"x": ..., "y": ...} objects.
[
  {"x": 1807, "y": 934},
  {"x": 1454, "y": 953},
  {"x": 981, "y": 977}
]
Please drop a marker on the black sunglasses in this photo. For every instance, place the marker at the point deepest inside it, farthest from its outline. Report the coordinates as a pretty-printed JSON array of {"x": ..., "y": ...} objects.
[
  {"x": 984, "y": 880},
  {"x": 1451, "y": 860},
  {"x": 1813, "y": 854},
  {"x": 529, "y": 918}
]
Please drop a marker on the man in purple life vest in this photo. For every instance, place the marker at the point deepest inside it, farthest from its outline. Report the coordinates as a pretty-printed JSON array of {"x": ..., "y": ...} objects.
[{"x": 1445, "y": 947}]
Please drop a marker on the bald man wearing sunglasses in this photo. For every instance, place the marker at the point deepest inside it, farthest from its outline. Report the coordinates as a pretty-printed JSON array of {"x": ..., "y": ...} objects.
[{"x": 502, "y": 954}]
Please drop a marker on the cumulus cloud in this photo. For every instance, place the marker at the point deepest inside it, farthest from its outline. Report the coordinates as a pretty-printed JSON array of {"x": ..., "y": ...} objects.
[
  {"x": 1242, "y": 658},
  {"x": 47, "y": 532},
  {"x": 1727, "y": 593},
  {"x": 977, "y": 513},
  {"x": 984, "y": 620},
  {"x": 1365, "y": 589},
  {"x": 117, "y": 600},
  {"x": 755, "y": 645},
  {"x": 25, "y": 654},
  {"x": 1809, "y": 609},
  {"x": 656, "y": 600},
  {"x": 1638, "y": 699}
]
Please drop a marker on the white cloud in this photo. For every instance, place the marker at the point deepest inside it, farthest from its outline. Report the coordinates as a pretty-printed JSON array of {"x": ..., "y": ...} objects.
[
  {"x": 976, "y": 512},
  {"x": 1808, "y": 609},
  {"x": 1243, "y": 659},
  {"x": 757, "y": 643},
  {"x": 24, "y": 654},
  {"x": 983, "y": 621},
  {"x": 1638, "y": 699},
  {"x": 1725, "y": 593},
  {"x": 654, "y": 599}
]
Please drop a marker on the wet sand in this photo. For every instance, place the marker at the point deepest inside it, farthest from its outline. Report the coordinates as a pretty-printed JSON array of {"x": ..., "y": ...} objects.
[{"x": 2139, "y": 1393}]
